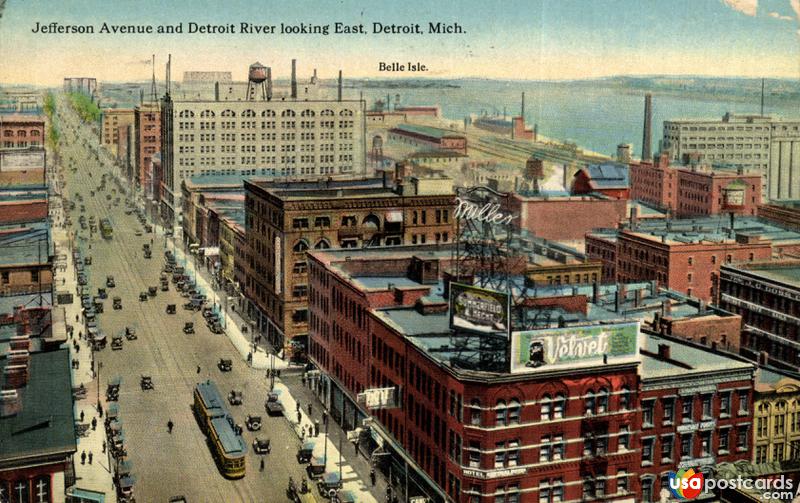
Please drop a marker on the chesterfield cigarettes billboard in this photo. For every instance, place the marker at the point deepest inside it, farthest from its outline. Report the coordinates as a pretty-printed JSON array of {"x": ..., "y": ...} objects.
[
  {"x": 478, "y": 309},
  {"x": 574, "y": 347}
]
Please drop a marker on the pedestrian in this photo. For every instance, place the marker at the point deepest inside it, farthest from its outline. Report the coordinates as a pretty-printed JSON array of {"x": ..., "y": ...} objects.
[
  {"x": 94, "y": 423},
  {"x": 303, "y": 379},
  {"x": 297, "y": 407},
  {"x": 81, "y": 416},
  {"x": 325, "y": 417},
  {"x": 372, "y": 477},
  {"x": 299, "y": 416},
  {"x": 355, "y": 447},
  {"x": 279, "y": 373},
  {"x": 169, "y": 426},
  {"x": 310, "y": 408},
  {"x": 90, "y": 457},
  {"x": 100, "y": 409},
  {"x": 198, "y": 369},
  {"x": 83, "y": 457},
  {"x": 262, "y": 464},
  {"x": 104, "y": 446},
  {"x": 77, "y": 318}
]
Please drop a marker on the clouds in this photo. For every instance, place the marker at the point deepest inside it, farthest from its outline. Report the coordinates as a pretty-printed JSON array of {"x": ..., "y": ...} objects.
[{"x": 746, "y": 7}]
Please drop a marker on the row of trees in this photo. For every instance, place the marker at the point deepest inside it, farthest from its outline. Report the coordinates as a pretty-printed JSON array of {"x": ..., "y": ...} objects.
[
  {"x": 87, "y": 109},
  {"x": 53, "y": 134}
]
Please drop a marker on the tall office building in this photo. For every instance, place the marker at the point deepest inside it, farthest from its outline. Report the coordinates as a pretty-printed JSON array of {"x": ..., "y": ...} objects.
[{"x": 768, "y": 144}]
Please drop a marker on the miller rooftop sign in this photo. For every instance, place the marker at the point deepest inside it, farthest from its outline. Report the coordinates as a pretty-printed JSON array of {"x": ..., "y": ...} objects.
[{"x": 488, "y": 213}]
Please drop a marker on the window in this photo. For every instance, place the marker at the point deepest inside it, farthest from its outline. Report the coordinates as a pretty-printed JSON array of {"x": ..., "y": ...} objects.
[
  {"x": 647, "y": 451},
  {"x": 724, "y": 435},
  {"x": 545, "y": 450},
  {"x": 300, "y": 246},
  {"x": 725, "y": 403},
  {"x": 647, "y": 490},
  {"x": 625, "y": 398},
  {"x": 546, "y": 408},
  {"x": 761, "y": 427},
  {"x": 34, "y": 276},
  {"x": 474, "y": 454},
  {"x": 322, "y": 244},
  {"x": 761, "y": 454},
  {"x": 666, "y": 448},
  {"x": 706, "y": 406},
  {"x": 41, "y": 489},
  {"x": 589, "y": 404},
  {"x": 686, "y": 446},
  {"x": 475, "y": 412},
  {"x": 624, "y": 438},
  {"x": 669, "y": 410},
  {"x": 322, "y": 222},
  {"x": 299, "y": 267},
  {"x": 501, "y": 413},
  {"x": 300, "y": 223},
  {"x": 5, "y": 277},
  {"x": 558, "y": 406},
  {"x": 300, "y": 291},
  {"x": 622, "y": 481},
  {"x": 705, "y": 443},
  {"x": 602, "y": 401},
  {"x": 686, "y": 411},
  {"x": 300, "y": 316},
  {"x": 743, "y": 402},
  {"x": 513, "y": 411},
  {"x": 647, "y": 413}
]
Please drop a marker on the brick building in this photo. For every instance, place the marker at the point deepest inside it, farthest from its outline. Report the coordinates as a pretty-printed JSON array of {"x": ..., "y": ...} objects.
[
  {"x": 429, "y": 137},
  {"x": 285, "y": 220},
  {"x": 147, "y": 123},
  {"x": 767, "y": 296},
  {"x": 113, "y": 118},
  {"x": 23, "y": 205},
  {"x": 696, "y": 190},
  {"x": 696, "y": 411},
  {"x": 777, "y": 419},
  {"x": 545, "y": 216},
  {"x": 784, "y": 213},
  {"x": 36, "y": 462},
  {"x": 551, "y": 263},
  {"x": 609, "y": 179},
  {"x": 26, "y": 261},
  {"x": 21, "y": 131},
  {"x": 378, "y": 319}
]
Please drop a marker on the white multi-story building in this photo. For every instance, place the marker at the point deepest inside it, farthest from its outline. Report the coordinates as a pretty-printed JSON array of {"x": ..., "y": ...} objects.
[
  {"x": 752, "y": 142},
  {"x": 287, "y": 138}
]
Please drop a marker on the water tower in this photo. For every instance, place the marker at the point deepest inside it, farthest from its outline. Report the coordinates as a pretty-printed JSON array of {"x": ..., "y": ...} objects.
[{"x": 257, "y": 77}]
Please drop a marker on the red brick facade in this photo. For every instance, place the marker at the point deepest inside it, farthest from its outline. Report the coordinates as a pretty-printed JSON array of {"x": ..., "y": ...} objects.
[
  {"x": 566, "y": 218},
  {"x": 147, "y": 119},
  {"x": 654, "y": 184},
  {"x": 19, "y": 131}
]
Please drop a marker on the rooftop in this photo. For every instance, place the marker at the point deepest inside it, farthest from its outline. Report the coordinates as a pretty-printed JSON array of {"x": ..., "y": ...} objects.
[
  {"x": 783, "y": 271},
  {"x": 683, "y": 359},
  {"x": 45, "y": 426},
  {"x": 25, "y": 244},
  {"x": 16, "y": 117},
  {"x": 428, "y": 131},
  {"x": 608, "y": 176}
]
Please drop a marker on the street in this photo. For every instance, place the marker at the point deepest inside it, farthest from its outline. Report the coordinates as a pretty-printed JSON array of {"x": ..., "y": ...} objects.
[{"x": 179, "y": 463}]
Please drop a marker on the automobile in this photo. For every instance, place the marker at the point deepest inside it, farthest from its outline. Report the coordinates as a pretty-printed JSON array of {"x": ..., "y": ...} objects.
[
  {"x": 87, "y": 260},
  {"x": 116, "y": 342},
  {"x": 137, "y": 233},
  {"x": 82, "y": 279},
  {"x": 128, "y": 212},
  {"x": 170, "y": 308},
  {"x": 235, "y": 397},
  {"x": 148, "y": 254},
  {"x": 305, "y": 452},
  {"x": 168, "y": 233},
  {"x": 112, "y": 391},
  {"x": 145, "y": 246},
  {"x": 108, "y": 197},
  {"x": 273, "y": 406},
  {"x": 142, "y": 296},
  {"x": 151, "y": 291},
  {"x": 117, "y": 303},
  {"x": 261, "y": 445},
  {"x": 148, "y": 228},
  {"x": 225, "y": 364},
  {"x": 98, "y": 305},
  {"x": 216, "y": 328},
  {"x": 178, "y": 499},
  {"x": 253, "y": 423},
  {"x": 146, "y": 382},
  {"x": 101, "y": 292},
  {"x": 130, "y": 333},
  {"x": 110, "y": 283},
  {"x": 188, "y": 327},
  {"x": 165, "y": 286}
]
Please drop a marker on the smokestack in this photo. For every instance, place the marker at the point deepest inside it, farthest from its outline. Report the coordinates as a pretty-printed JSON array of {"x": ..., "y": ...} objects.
[
  {"x": 294, "y": 79},
  {"x": 269, "y": 83},
  {"x": 663, "y": 351},
  {"x": 595, "y": 292},
  {"x": 339, "y": 88},
  {"x": 169, "y": 73},
  {"x": 646, "y": 133},
  {"x": 637, "y": 299},
  {"x": 733, "y": 218},
  {"x": 762, "y": 97},
  {"x": 522, "y": 112},
  {"x": 618, "y": 300}
]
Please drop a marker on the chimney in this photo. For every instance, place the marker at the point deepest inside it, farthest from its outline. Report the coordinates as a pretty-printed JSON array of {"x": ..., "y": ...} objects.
[
  {"x": 653, "y": 287},
  {"x": 646, "y": 130},
  {"x": 574, "y": 291},
  {"x": 663, "y": 351},
  {"x": 339, "y": 88},
  {"x": 269, "y": 83},
  {"x": 294, "y": 79},
  {"x": 666, "y": 308},
  {"x": 522, "y": 111},
  {"x": 561, "y": 322},
  {"x": 637, "y": 299},
  {"x": 701, "y": 306},
  {"x": 634, "y": 217},
  {"x": 216, "y": 91},
  {"x": 595, "y": 292},
  {"x": 763, "y": 358},
  {"x": 663, "y": 160},
  {"x": 618, "y": 300},
  {"x": 10, "y": 403}
]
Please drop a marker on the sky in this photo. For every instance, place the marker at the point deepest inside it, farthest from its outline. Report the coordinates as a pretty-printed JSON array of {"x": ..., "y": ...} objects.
[{"x": 517, "y": 39}]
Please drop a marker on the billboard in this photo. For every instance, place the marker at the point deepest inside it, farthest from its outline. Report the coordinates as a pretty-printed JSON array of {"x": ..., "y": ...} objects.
[
  {"x": 573, "y": 347},
  {"x": 734, "y": 194},
  {"x": 378, "y": 398},
  {"x": 478, "y": 309},
  {"x": 22, "y": 160}
]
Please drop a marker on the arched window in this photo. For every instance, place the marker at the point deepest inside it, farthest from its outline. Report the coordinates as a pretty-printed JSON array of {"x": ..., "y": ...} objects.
[
  {"x": 559, "y": 405},
  {"x": 308, "y": 113},
  {"x": 186, "y": 114},
  {"x": 625, "y": 398},
  {"x": 22, "y": 134},
  {"x": 322, "y": 244},
  {"x": 475, "y": 412},
  {"x": 41, "y": 490},
  {"x": 327, "y": 113},
  {"x": 300, "y": 246},
  {"x": 248, "y": 113},
  {"x": 34, "y": 133},
  {"x": 228, "y": 113},
  {"x": 546, "y": 408},
  {"x": 513, "y": 411},
  {"x": 371, "y": 222},
  {"x": 268, "y": 113},
  {"x": 602, "y": 401},
  {"x": 346, "y": 113},
  {"x": 288, "y": 113},
  {"x": 589, "y": 403},
  {"x": 207, "y": 114},
  {"x": 501, "y": 412}
]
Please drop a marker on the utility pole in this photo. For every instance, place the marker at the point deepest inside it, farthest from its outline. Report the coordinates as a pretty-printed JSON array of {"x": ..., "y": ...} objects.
[{"x": 325, "y": 455}]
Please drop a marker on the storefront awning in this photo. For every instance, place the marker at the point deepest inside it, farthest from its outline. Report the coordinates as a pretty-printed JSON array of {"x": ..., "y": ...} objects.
[{"x": 394, "y": 216}]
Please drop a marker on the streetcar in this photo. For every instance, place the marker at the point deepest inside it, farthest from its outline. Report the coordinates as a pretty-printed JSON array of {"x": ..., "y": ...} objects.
[
  {"x": 105, "y": 228},
  {"x": 225, "y": 442}
]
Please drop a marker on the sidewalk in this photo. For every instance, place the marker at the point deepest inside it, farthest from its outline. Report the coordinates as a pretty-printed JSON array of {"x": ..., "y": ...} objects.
[{"x": 97, "y": 476}]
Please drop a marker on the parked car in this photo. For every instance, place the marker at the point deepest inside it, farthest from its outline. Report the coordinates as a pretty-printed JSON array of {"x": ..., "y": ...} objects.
[
  {"x": 225, "y": 364},
  {"x": 110, "y": 282}
]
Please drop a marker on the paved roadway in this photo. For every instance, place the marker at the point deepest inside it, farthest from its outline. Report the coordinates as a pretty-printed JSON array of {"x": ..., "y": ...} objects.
[{"x": 178, "y": 463}]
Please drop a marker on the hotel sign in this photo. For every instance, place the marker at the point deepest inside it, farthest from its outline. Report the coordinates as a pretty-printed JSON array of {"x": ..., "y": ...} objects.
[
  {"x": 494, "y": 474},
  {"x": 574, "y": 347},
  {"x": 478, "y": 309},
  {"x": 378, "y": 398},
  {"x": 735, "y": 278},
  {"x": 759, "y": 309}
]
